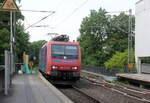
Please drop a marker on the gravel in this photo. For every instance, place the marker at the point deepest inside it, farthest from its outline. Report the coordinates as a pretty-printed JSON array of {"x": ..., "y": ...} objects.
[{"x": 75, "y": 96}]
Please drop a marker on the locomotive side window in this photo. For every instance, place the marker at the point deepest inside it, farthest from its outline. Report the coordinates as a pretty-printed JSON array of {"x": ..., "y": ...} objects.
[
  {"x": 43, "y": 58},
  {"x": 65, "y": 51}
]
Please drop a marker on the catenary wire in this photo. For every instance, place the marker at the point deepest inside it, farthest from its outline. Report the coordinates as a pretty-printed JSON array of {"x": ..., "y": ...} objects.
[
  {"x": 39, "y": 21},
  {"x": 37, "y": 11},
  {"x": 75, "y": 10}
]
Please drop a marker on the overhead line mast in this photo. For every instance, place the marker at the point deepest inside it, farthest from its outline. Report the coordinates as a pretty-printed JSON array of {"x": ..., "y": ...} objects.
[{"x": 130, "y": 42}]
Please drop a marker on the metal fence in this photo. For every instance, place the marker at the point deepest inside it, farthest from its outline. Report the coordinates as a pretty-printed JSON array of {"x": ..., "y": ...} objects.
[
  {"x": 145, "y": 68},
  {"x": 108, "y": 72}
]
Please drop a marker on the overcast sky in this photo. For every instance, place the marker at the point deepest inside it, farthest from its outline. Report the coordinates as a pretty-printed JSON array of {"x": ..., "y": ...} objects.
[{"x": 68, "y": 15}]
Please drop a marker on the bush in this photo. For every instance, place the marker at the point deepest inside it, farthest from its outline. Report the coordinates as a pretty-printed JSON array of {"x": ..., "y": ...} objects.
[{"x": 118, "y": 60}]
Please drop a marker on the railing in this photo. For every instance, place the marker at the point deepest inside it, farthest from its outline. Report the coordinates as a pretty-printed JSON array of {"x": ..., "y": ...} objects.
[
  {"x": 108, "y": 72},
  {"x": 145, "y": 68}
]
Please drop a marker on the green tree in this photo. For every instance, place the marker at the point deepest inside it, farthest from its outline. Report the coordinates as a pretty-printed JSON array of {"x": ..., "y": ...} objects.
[
  {"x": 119, "y": 60},
  {"x": 22, "y": 38},
  {"x": 4, "y": 43},
  {"x": 22, "y": 42},
  {"x": 92, "y": 36},
  {"x": 117, "y": 39},
  {"x": 101, "y": 35},
  {"x": 34, "y": 49}
]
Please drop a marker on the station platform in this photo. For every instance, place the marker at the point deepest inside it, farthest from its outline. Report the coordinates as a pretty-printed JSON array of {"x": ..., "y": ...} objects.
[
  {"x": 33, "y": 88},
  {"x": 136, "y": 78}
]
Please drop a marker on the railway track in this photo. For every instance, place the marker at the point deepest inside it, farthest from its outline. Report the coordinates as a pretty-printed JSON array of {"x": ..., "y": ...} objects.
[
  {"x": 136, "y": 94},
  {"x": 126, "y": 92},
  {"x": 78, "y": 96},
  {"x": 89, "y": 96},
  {"x": 92, "y": 90}
]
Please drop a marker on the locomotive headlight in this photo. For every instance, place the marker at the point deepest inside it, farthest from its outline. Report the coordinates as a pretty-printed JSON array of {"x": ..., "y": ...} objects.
[
  {"x": 74, "y": 68},
  {"x": 54, "y": 67}
]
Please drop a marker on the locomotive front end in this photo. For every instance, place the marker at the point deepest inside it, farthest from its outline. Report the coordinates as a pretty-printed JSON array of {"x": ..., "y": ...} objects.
[{"x": 65, "y": 62}]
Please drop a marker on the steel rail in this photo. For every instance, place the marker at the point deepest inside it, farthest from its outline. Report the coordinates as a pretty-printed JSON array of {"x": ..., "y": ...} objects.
[
  {"x": 103, "y": 84},
  {"x": 89, "y": 96}
]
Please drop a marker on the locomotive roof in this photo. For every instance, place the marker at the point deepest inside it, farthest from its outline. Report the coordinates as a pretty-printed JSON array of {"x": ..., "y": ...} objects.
[
  {"x": 57, "y": 42},
  {"x": 65, "y": 43}
]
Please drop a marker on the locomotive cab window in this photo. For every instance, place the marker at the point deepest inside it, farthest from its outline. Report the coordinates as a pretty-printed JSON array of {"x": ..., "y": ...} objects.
[{"x": 64, "y": 51}]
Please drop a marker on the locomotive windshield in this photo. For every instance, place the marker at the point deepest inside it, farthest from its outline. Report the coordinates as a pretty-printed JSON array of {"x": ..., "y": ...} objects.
[{"x": 65, "y": 51}]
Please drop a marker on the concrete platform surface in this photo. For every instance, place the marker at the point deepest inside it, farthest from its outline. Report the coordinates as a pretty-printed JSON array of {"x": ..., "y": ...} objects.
[
  {"x": 138, "y": 77},
  {"x": 33, "y": 88}
]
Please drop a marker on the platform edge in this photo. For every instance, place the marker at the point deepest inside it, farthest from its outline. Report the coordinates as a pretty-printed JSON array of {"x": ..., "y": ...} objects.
[{"x": 59, "y": 94}]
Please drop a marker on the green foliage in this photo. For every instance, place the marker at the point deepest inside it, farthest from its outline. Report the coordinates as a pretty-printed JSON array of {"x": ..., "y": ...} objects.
[
  {"x": 92, "y": 36},
  {"x": 122, "y": 82},
  {"x": 34, "y": 49},
  {"x": 22, "y": 38},
  {"x": 5, "y": 19},
  {"x": 118, "y": 60},
  {"x": 22, "y": 41},
  {"x": 101, "y": 35},
  {"x": 4, "y": 43}
]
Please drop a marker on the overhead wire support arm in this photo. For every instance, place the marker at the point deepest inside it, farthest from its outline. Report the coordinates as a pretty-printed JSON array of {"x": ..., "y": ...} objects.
[
  {"x": 39, "y": 21},
  {"x": 38, "y": 11},
  {"x": 41, "y": 26},
  {"x": 110, "y": 12}
]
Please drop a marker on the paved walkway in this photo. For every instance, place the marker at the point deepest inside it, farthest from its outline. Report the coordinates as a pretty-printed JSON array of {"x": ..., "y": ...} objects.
[{"x": 32, "y": 89}]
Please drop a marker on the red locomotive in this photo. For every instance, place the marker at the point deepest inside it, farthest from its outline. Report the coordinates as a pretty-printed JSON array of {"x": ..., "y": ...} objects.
[{"x": 60, "y": 60}]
